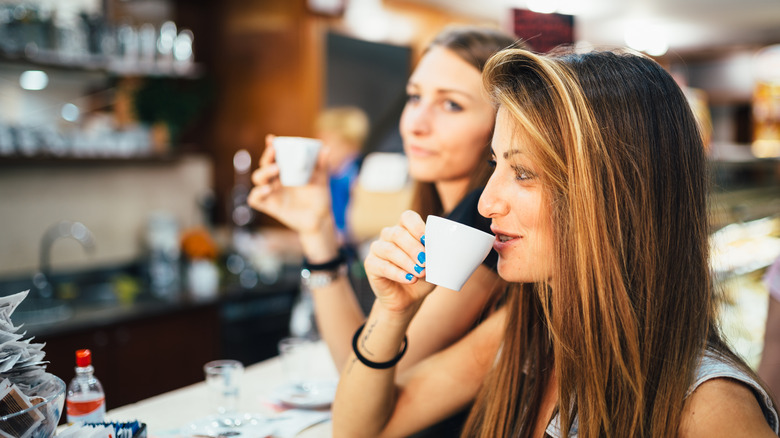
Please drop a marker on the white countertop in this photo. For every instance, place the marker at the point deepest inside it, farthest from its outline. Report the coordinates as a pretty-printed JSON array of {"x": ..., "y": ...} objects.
[{"x": 166, "y": 414}]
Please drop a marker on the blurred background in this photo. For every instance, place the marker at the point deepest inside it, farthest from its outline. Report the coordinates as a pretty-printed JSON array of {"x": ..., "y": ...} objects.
[{"x": 129, "y": 129}]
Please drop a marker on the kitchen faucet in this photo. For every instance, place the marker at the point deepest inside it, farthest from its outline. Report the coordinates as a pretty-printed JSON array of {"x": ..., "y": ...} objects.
[{"x": 62, "y": 229}]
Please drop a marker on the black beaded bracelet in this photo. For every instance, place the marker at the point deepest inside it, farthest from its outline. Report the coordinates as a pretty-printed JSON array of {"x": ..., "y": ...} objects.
[
  {"x": 330, "y": 265},
  {"x": 376, "y": 365}
]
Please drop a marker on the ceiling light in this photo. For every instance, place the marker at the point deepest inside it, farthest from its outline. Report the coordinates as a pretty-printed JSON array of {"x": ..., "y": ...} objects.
[
  {"x": 646, "y": 37},
  {"x": 572, "y": 7},
  {"x": 543, "y": 6},
  {"x": 657, "y": 46},
  {"x": 368, "y": 20}
]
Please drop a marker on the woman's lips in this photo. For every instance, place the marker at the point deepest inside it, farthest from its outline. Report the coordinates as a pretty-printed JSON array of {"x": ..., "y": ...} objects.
[
  {"x": 503, "y": 240},
  {"x": 420, "y": 152}
]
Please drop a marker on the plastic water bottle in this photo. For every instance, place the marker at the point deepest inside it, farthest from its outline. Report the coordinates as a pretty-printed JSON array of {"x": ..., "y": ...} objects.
[{"x": 86, "y": 401}]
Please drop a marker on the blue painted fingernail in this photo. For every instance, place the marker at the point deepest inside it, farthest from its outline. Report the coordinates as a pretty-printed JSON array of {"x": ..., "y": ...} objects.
[
  {"x": 418, "y": 269},
  {"x": 421, "y": 257},
  {"x": 422, "y": 239},
  {"x": 409, "y": 277}
]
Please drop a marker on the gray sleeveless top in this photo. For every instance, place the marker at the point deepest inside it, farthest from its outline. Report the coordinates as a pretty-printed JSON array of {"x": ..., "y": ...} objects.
[{"x": 711, "y": 367}]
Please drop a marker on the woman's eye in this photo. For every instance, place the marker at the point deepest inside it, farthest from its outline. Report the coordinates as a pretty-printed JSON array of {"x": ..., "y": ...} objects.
[
  {"x": 522, "y": 174},
  {"x": 491, "y": 163},
  {"x": 452, "y": 106},
  {"x": 412, "y": 98}
]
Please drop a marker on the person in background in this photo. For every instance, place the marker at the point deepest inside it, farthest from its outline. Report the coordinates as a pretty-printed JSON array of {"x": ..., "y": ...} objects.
[
  {"x": 769, "y": 368},
  {"x": 598, "y": 202},
  {"x": 343, "y": 130},
  {"x": 445, "y": 127}
]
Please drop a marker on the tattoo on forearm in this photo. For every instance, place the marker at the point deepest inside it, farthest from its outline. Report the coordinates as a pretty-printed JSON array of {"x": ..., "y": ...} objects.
[
  {"x": 351, "y": 365},
  {"x": 367, "y": 332}
]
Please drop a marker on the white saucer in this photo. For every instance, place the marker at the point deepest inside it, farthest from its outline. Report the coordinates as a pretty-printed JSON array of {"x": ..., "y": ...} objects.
[
  {"x": 312, "y": 395},
  {"x": 239, "y": 425}
]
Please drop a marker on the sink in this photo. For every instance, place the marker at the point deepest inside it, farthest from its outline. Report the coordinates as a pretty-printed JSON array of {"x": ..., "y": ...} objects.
[
  {"x": 34, "y": 311},
  {"x": 75, "y": 291}
]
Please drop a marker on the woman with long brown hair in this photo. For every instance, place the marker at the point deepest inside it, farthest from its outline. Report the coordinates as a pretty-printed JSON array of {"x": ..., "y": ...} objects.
[
  {"x": 598, "y": 204},
  {"x": 445, "y": 126}
]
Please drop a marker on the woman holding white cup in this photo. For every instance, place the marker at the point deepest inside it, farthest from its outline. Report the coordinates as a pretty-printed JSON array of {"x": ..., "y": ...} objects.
[
  {"x": 598, "y": 203},
  {"x": 445, "y": 126}
]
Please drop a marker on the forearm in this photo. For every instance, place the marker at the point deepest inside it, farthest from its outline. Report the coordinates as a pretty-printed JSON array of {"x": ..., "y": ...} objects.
[
  {"x": 338, "y": 315},
  {"x": 336, "y": 308},
  {"x": 366, "y": 396},
  {"x": 446, "y": 316},
  {"x": 320, "y": 244}
]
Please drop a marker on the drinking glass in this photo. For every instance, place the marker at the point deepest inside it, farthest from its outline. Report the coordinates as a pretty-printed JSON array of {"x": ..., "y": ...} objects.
[
  {"x": 295, "y": 354},
  {"x": 224, "y": 379}
]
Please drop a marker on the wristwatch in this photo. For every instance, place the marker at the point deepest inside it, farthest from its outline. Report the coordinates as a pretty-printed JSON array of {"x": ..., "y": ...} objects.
[{"x": 319, "y": 279}]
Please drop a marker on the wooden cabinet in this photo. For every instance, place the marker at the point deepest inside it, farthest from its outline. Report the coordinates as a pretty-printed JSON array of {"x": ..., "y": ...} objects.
[
  {"x": 142, "y": 357},
  {"x": 253, "y": 324},
  {"x": 153, "y": 347}
]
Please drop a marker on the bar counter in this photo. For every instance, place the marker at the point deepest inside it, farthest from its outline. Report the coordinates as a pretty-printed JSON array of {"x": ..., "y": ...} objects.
[{"x": 166, "y": 414}]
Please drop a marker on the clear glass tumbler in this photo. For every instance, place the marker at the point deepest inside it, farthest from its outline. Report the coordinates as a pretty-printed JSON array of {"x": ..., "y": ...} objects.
[
  {"x": 223, "y": 377},
  {"x": 295, "y": 354}
]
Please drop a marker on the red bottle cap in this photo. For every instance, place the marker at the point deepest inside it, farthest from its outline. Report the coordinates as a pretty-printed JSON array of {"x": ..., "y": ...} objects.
[{"x": 83, "y": 358}]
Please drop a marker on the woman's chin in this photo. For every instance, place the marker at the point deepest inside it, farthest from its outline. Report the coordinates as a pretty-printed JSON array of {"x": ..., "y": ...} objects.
[
  {"x": 515, "y": 274},
  {"x": 508, "y": 272},
  {"x": 422, "y": 176}
]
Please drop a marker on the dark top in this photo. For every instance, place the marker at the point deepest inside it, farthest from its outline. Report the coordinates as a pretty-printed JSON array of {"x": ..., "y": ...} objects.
[{"x": 466, "y": 213}]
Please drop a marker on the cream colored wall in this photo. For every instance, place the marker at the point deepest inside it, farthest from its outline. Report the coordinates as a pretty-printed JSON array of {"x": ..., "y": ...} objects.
[{"x": 113, "y": 200}]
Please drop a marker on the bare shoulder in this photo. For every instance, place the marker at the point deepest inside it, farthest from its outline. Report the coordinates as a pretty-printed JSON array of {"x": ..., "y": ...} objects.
[{"x": 723, "y": 407}]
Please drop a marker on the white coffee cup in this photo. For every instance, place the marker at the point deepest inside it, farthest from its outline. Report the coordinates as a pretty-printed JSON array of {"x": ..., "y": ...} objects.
[
  {"x": 453, "y": 251},
  {"x": 296, "y": 157}
]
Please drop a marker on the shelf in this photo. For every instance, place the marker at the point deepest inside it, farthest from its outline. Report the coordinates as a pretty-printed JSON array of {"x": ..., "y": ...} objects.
[
  {"x": 102, "y": 63},
  {"x": 18, "y": 160}
]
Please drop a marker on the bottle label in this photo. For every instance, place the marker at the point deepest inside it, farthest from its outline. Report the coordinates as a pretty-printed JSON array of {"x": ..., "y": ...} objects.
[{"x": 86, "y": 411}]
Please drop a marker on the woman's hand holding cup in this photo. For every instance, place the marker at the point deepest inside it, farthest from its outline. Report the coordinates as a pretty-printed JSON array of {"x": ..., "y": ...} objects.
[
  {"x": 303, "y": 208},
  {"x": 395, "y": 266}
]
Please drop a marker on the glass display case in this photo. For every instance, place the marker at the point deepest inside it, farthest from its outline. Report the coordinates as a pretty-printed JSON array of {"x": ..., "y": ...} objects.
[{"x": 745, "y": 241}]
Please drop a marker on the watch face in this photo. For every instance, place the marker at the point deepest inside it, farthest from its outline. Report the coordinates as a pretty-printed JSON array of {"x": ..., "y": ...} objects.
[
  {"x": 319, "y": 279},
  {"x": 333, "y": 8}
]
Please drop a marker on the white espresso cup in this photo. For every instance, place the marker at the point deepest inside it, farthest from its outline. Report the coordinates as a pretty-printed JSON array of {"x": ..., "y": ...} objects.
[
  {"x": 296, "y": 157},
  {"x": 453, "y": 251}
]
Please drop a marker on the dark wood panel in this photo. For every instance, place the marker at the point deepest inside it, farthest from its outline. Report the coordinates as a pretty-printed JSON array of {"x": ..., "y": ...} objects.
[
  {"x": 138, "y": 359},
  {"x": 270, "y": 80}
]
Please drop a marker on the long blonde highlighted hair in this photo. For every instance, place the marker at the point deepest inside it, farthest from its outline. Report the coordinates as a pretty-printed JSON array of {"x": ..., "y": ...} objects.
[{"x": 624, "y": 171}]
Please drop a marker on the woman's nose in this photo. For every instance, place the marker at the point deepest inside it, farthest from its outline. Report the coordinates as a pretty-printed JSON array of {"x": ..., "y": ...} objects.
[
  {"x": 418, "y": 119},
  {"x": 491, "y": 203}
]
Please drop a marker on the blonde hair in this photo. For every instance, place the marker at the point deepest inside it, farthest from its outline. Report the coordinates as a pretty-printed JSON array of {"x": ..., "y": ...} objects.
[
  {"x": 624, "y": 174},
  {"x": 350, "y": 123}
]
